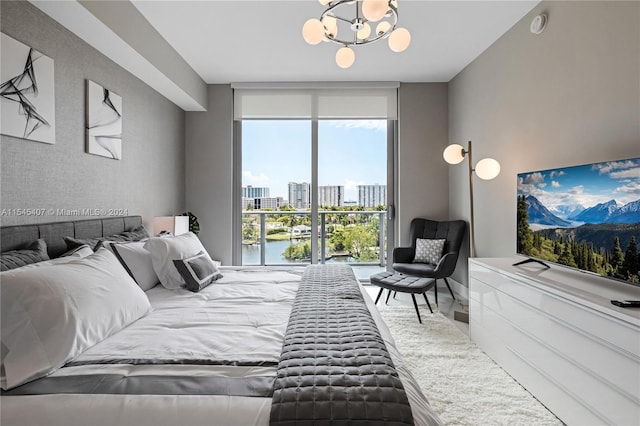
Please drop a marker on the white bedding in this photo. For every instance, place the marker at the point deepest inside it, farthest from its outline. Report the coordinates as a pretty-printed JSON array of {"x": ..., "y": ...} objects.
[{"x": 241, "y": 318}]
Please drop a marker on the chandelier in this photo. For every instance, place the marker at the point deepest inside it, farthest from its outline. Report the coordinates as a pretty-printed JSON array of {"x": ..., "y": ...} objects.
[{"x": 351, "y": 23}]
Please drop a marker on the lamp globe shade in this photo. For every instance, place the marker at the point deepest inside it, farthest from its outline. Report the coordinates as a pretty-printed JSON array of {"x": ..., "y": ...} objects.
[
  {"x": 331, "y": 25},
  {"x": 382, "y": 28},
  {"x": 487, "y": 168},
  {"x": 313, "y": 31},
  {"x": 345, "y": 57},
  {"x": 453, "y": 154},
  {"x": 375, "y": 10},
  {"x": 399, "y": 39},
  {"x": 365, "y": 32}
]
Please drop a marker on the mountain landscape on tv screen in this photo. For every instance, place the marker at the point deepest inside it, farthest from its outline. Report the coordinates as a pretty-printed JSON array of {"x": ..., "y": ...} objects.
[{"x": 585, "y": 217}]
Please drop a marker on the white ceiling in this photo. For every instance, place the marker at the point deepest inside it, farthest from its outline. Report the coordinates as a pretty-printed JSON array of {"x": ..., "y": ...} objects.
[{"x": 258, "y": 41}]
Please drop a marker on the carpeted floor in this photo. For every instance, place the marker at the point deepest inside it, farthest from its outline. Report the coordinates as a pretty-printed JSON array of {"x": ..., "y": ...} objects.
[{"x": 463, "y": 385}]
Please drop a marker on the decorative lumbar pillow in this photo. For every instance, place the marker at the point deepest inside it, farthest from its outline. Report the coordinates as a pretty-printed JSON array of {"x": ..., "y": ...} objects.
[
  {"x": 78, "y": 253},
  {"x": 52, "y": 314},
  {"x": 137, "y": 262},
  {"x": 136, "y": 234},
  {"x": 35, "y": 252},
  {"x": 197, "y": 271},
  {"x": 428, "y": 251},
  {"x": 164, "y": 250},
  {"x": 73, "y": 243}
]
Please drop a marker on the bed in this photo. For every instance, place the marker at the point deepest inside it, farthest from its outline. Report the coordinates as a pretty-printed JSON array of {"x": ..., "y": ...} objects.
[{"x": 256, "y": 346}]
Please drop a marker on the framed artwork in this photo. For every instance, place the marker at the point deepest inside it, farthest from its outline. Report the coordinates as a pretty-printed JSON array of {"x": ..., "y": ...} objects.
[
  {"x": 104, "y": 122},
  {"x": 27, "y": 101}
]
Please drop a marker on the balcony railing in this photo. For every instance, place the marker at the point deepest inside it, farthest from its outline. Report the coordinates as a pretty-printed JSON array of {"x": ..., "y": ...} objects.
[{"x": 359, "y": 229}]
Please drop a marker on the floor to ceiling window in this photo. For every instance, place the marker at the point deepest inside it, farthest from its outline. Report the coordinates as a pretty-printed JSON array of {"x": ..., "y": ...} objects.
[{"x": 313, "y": 186}]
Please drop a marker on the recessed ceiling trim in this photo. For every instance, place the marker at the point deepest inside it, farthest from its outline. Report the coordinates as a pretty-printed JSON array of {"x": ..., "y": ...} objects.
[
  {"x": 93, "y": 31},
  {"x": 317, "y": 85}
]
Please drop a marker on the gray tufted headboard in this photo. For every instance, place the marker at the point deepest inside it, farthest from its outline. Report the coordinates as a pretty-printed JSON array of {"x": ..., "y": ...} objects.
[{"x": 19, "y": 236}]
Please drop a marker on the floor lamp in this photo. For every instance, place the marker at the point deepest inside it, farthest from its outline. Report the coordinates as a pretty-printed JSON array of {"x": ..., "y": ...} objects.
[{"x": 486, "y": 169}]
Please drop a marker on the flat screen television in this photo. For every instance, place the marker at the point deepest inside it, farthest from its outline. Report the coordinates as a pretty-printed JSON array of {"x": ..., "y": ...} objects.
[{"x": 585, "y": 217}]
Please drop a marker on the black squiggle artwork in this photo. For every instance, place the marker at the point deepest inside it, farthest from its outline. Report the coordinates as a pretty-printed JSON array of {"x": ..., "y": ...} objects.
[
  {"x": 104, "y": 122},
  {"x": 17, "y": 88}
]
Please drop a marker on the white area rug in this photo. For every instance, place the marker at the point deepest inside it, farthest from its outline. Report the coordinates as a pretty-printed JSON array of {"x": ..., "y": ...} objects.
[{"x": 463, "y": 385}]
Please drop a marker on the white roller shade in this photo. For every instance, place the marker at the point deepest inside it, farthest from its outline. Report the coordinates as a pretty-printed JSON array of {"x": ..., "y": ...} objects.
[{"x": 331, "y": 103}]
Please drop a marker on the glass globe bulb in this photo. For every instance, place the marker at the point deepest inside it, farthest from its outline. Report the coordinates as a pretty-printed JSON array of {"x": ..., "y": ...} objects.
[
  {"x": 374, "y": 10},
  {"x": 382, "y": 28},
  {"x": 365, "y": 32},
  {"x": 453, "y": 154},
  {"x": 330, "y": 26},
  {"x": 345, "y": 57},
  {"x": 487, "y": 168},
  {"x": 399, "y": 40},
  {"x": 313, "y": 31}
]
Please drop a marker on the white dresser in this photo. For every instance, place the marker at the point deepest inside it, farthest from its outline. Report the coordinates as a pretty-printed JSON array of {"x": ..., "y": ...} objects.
[{"x": 556, "y": 332}]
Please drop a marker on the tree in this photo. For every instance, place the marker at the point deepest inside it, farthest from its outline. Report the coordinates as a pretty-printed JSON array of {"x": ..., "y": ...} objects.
[
  {"x": 616, "y": 259},
  {"x": 630, "y": 265},
  {"x": 524, "y": 234},
  {"x": 566, "y": 258},
  {"x": 359, "y": 240}
]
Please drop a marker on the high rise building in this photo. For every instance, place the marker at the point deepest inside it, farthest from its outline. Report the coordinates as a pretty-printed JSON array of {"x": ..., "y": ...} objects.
[
  {"x": 331, "y": 196},
  {"x": 372, "y": 195},
  {"x": 300, "y": 195},
  {"x": 255, "y": 192},
  {"x": 262, "y": 203}
]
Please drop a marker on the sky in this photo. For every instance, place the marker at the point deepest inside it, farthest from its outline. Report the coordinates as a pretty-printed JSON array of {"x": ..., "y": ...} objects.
[
  {"x": 585, "y": 185},
  {"x": 350, "y": 153}
]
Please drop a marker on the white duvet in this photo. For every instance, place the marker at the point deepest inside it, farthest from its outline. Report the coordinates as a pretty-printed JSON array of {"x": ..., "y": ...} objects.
[{"x": 241, "y": 318}]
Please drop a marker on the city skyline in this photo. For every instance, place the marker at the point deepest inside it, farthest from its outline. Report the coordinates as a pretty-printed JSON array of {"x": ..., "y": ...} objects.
[
  {"x": 328, "y": 195},
  {"x": 276, "y": 152}
]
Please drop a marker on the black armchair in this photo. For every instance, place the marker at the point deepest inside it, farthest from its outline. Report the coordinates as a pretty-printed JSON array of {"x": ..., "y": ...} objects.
[{"x": 451, "y": 231}]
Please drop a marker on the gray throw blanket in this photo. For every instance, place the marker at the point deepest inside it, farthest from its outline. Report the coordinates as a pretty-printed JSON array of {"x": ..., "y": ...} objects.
[{"x": 334, "y": 367}]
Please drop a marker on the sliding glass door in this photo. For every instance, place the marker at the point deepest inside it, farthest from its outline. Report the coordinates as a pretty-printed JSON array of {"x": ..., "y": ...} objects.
[
  {"x": 312, "y": 179},
  {"x": 283, "y": 202}
]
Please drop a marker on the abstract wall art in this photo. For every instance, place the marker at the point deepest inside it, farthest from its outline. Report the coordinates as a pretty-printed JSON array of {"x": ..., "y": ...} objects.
[
  {"x": 27, "y": 100},
  {"x": 104, "y": 122}
]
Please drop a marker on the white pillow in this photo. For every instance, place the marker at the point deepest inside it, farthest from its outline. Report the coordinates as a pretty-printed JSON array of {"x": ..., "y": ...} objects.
[
  {"x": 164, "y": 250},
  {"x": 137, "y": 261},
  {"x": 52, "y": 314},
  {"x": 428, "y": 251}
]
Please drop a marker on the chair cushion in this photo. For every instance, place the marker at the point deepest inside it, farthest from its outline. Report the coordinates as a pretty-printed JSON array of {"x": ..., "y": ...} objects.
[
  {"x": 402, "y": 283},
  {"x": 425, "y": 270},
  {"x": 428, "y": 251}
]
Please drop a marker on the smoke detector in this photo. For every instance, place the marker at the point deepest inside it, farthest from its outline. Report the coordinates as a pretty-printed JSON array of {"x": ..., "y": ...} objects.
[{"x": 538, "y": 23}]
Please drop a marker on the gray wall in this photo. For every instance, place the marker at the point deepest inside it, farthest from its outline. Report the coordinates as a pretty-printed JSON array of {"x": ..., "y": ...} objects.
[
  {"x": 209, "y": 177},
  {"x": 148, "y": 181},
  {"x": 422, "y": 174},
  {"x": 566, "y": 97}
]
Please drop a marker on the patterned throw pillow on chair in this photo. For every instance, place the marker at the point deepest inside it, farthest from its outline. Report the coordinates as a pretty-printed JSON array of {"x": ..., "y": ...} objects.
[{"x": 428, "y": 251}]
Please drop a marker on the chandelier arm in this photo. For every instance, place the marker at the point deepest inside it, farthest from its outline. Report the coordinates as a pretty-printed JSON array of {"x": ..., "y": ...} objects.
[{"x": 331, "y": 11}]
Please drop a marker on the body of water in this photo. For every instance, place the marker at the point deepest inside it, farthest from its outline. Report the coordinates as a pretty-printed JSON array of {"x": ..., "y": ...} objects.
[{"x": 273, "y": 254}]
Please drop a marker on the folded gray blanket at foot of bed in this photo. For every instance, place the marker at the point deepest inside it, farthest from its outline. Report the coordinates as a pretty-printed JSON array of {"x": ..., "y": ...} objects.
[{"x": 334, "y": 365}]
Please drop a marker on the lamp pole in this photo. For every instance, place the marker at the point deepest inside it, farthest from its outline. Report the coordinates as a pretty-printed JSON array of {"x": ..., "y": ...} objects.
[{"x": 471, "y": 220}]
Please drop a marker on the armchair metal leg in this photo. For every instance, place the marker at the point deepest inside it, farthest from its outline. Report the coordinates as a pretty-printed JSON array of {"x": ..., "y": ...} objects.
[
  {"x": 447, "y": 283},
  {"x": 435, "y": 291},
  {"x": 379, "y": 294},
  {"x": 388, "y": 294},
  {"x": 394, "y": 294},
  {"x": 427, "y": 300},
  {"x": 415, "y": 305}
]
